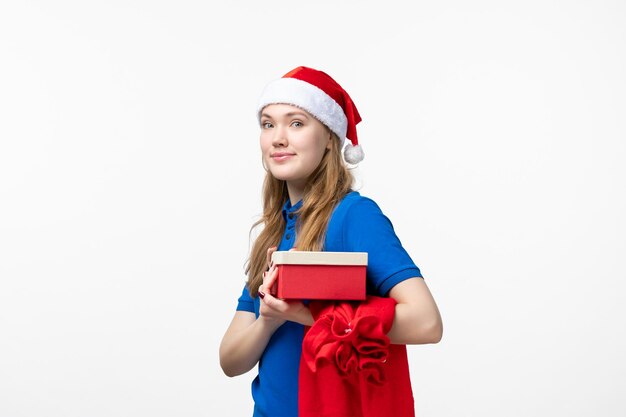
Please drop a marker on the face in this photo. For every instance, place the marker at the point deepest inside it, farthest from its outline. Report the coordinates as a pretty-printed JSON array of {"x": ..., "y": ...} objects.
[{"x": 293, "y": 143}]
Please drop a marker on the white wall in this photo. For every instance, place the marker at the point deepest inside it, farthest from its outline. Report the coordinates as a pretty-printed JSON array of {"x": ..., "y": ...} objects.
[{"x": 130, "y": 175}]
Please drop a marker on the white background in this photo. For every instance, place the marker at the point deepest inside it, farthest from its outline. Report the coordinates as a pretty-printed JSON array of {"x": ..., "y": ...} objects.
[{"x": 130, "y": 175}]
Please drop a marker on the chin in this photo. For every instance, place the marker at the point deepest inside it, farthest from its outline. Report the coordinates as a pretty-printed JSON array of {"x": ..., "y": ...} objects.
[
  {"x": 283, "y": 177},
  {"x": 286, "y": 176},
  {"x": 282, "y": 174}
]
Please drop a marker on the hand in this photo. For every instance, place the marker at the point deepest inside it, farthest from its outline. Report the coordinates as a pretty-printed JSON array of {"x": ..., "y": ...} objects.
[{"x": 276, "y": 309}]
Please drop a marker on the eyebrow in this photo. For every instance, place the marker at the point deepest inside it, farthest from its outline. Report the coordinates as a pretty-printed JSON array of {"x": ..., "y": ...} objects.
[
  {"x": 290, "y": 114},
  {"x": 297, "y": 113}
]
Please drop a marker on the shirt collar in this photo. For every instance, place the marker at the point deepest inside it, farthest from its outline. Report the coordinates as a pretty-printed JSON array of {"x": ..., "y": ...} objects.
[{"x": 288, "y": 208}]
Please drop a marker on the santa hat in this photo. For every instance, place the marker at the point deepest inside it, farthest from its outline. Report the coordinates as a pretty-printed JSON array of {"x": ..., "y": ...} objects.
[{"x": 317, "y": 93}]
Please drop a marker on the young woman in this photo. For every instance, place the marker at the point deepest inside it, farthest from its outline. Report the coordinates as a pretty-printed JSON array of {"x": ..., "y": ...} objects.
[{"x": 308, "y": 204}]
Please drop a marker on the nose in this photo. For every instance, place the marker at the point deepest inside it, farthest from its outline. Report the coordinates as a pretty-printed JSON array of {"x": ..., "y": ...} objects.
[{"x": 280, "y": 137}]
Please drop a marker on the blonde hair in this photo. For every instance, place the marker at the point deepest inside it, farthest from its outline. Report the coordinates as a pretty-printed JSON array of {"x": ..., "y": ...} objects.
[{"x": 325, "y": 188}]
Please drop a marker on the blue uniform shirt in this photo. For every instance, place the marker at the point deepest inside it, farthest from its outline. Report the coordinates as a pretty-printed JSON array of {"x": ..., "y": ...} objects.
[{"x": 356, "y": 225}]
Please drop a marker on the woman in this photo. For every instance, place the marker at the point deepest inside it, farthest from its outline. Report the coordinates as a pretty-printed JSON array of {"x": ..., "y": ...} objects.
[{"x": 305, "y": 117}]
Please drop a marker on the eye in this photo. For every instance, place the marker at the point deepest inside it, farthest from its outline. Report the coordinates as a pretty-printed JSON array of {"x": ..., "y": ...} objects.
[
  {"x": 297, "y": 123},
  {"x": 266, "y": 125}
]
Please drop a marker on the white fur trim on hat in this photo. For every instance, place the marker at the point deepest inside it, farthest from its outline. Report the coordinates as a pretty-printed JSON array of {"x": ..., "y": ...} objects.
[{"x": 308, "y": 97}]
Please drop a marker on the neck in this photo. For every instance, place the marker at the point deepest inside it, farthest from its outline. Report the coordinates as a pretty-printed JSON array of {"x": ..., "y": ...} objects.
[{"x": 295, "y": 192}]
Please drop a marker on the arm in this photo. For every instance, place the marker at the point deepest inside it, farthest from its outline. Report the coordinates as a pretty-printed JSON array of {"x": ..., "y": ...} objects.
[
  {"x": 246, "y": 337},
  {"x": 417, "y": 319},
  {"x": 366, "y": 229},
  {"x": 244, "y": 342}
]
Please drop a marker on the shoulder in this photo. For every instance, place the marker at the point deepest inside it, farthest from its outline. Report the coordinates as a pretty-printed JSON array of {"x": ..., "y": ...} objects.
[
  {"x": 361, "y": 226},
  {"x": 357, "y": 211},
  {"x": 355, "y": 218},
  {"x": 356, "y": 204}
]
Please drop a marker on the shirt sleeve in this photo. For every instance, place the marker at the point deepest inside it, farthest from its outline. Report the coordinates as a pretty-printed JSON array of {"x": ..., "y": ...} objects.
[
  {"x": 367, "y": 229},
  {"x": 245, "y": 301}
]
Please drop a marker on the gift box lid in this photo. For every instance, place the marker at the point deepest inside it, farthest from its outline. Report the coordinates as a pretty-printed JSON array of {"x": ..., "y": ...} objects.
[{"x": 319, "y": 258}]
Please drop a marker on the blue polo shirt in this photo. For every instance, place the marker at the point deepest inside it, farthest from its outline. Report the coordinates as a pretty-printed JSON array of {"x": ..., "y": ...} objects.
[{"x": 356, "y": 225}]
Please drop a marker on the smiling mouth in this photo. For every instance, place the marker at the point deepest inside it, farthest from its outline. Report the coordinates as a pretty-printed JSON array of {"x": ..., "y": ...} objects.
[{"x": 281, "y": 156}]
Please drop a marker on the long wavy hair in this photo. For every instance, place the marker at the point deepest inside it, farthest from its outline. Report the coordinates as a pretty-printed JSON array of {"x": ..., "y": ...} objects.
[{"x": 325, "y": 188}]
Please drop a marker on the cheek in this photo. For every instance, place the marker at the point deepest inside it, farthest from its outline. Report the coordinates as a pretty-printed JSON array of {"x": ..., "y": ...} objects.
[
  {"x": 323, "y": 146},
  {"x": 264, "y": 142},
  {"x": 316, "y": 154}
]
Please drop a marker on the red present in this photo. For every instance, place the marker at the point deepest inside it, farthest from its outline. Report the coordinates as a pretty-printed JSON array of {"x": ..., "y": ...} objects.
[{"x": 320, "y": 275}]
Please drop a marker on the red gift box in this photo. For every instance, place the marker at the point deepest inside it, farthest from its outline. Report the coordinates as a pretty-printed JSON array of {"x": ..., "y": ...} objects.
[{"x": 320, "y": 275}]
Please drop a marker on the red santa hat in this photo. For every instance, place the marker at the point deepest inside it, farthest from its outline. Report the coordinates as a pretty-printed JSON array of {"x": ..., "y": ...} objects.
[{"x": 317, "y": 93}]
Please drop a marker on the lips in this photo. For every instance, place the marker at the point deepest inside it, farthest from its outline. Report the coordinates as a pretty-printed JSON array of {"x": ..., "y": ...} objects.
[{"x": 281, "y": 156}]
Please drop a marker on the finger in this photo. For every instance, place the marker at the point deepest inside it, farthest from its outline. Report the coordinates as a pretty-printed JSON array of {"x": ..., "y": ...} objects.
[
  {"x": 269, "y": 255},
  {"x": 270, "y": 278},
  {"x": 274, "y": 303}
]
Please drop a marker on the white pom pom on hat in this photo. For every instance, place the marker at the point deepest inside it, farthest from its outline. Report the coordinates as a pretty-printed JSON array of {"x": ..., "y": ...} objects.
[
  {"x": 317, "y": 93},
  {"x": 353, "y": 154}
]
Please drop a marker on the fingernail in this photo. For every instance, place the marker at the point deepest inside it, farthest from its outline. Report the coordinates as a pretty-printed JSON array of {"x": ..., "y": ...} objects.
[{"x": 261, "y": 294}]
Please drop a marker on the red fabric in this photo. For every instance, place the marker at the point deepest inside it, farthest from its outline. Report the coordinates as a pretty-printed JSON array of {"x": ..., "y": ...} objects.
[{"x": 348, "y": 367}]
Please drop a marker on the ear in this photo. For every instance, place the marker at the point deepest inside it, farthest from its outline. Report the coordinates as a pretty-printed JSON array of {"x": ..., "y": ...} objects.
[{"x": 330, "y": 138}]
